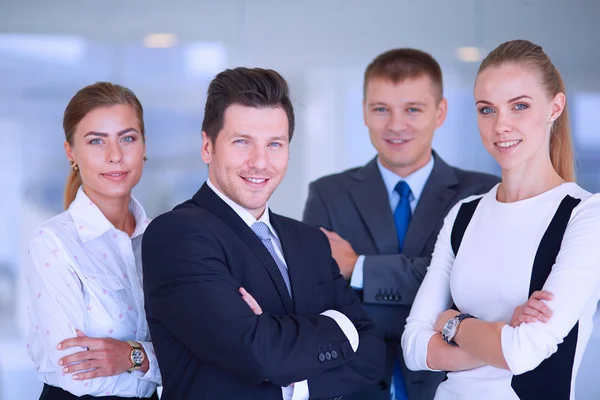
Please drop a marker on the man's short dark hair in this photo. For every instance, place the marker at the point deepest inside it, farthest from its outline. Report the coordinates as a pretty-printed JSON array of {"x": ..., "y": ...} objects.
[{"x": 251, "y": 87}]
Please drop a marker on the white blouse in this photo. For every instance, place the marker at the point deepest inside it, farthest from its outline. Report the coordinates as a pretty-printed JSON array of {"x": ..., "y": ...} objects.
[{"x": 83, "y": 273}]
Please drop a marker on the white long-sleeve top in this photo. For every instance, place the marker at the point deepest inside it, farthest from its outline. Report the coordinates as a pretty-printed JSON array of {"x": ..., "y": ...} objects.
[
  {"x": 491, "y": 276},
  {"x": 83, "y": 273}
]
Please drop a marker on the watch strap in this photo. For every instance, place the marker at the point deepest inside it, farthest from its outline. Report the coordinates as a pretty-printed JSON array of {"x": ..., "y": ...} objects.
[
  {"x": 134, "y": 345},
  {"x": 459, "y": 318},
  {"x": 462, "y": 317}
]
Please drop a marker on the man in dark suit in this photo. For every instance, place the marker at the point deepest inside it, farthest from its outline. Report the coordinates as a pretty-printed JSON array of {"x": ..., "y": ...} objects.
[
  {"x": 383, "y": 219},
  {"x": 243, "y": 303}
]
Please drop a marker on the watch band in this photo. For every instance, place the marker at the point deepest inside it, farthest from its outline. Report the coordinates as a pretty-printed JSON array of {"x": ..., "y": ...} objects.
[{"x": 462, "y": 317}]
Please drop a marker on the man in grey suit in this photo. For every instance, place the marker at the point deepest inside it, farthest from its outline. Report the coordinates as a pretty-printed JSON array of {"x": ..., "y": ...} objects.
[{"x": 383, "y": 219}]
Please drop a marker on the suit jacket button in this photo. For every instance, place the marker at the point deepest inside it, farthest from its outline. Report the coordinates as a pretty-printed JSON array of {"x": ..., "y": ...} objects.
[
  {"x": 321, "y": 357},
  {"x": 334, "y": 354},
  {"x": 386, "y": 297},
  {"x": 397, "y": 298},
  {"x": 378, "y": 297},
  {"x": 328, "y": 356}
]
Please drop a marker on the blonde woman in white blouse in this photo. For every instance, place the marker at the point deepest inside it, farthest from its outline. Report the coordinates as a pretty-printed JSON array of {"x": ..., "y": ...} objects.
[{"x": 88, "y": 335}]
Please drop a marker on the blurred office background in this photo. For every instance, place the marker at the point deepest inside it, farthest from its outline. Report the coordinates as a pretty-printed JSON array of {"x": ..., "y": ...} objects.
[{"x": 168, "y": 51}]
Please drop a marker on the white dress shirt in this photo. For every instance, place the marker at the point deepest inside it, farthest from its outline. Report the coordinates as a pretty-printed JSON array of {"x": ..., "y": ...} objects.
[
  {"x": 298, "y": 390},
  {"x": 416, "y": 181},
  {"x": 491, "y": 276},
  {"x": 83, "y": 273}
]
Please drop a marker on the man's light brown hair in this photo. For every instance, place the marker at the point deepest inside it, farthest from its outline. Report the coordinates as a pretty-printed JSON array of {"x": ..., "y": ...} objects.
[{"x": 397, "y": 65}]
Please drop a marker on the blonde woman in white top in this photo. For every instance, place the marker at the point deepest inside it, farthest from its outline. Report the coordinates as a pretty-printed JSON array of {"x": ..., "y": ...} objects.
[
  {"x": 88, "y": 334},
  {"x": 537, "y": 230}
]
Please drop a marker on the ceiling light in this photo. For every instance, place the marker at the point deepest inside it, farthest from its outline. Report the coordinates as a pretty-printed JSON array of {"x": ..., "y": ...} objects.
[
  {"x": 160, "y": 40},
  {"x": 469, "y": 54}
]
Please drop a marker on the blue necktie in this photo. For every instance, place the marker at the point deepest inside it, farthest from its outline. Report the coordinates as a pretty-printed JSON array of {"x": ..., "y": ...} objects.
[
  {"x": 402, "y": 215},
  {"x": 262, "y": 231}
]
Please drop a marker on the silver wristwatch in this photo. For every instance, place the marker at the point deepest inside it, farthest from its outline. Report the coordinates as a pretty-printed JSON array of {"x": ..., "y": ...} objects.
[{"x": 451, "y": 327}]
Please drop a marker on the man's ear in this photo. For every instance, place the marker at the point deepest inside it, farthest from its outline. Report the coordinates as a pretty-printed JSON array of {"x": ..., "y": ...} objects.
[{"x": 207, "y": 149}]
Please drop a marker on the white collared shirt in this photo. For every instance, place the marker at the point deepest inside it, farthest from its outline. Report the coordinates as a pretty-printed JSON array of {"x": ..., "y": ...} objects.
[
  {"x": 83, "y": 273},
  {"x": 298, "y": 390},
  {"x": 249, "y": 219},
  {"x": 416, "y": 181}
]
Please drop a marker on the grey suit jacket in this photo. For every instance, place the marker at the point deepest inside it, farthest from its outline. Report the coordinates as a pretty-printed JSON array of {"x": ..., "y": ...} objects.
[{"x": 355, "y": 204}]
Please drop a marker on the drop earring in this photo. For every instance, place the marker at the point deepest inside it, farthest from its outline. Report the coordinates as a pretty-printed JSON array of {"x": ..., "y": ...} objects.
[{"x": 75, "y": 167}]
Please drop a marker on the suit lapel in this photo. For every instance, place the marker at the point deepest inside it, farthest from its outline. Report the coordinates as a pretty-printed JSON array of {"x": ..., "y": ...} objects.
[
  {"x": 209, "y": 200},
  {"x": 299, "y": 278},
  {"x": 372, "y": 202},
  {"x": 438, "y": 192}
]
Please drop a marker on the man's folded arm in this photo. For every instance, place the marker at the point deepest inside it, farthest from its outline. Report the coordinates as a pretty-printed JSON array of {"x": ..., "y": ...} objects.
[
  {"x": 367, "y": 368},
  {"x": 191, "y": 292}
]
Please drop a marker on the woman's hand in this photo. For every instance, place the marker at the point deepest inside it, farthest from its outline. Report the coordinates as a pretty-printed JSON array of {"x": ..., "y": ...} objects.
[
  {"x": 103, "y": 357},
  {"x": 533, "y": 310}
]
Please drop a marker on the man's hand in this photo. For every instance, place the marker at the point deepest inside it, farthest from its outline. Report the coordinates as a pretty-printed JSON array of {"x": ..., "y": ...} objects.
[
  {"x": 253, "y": 304},
  {"x": 342, "y": 252},
  {"x": 103, "y": 357}
]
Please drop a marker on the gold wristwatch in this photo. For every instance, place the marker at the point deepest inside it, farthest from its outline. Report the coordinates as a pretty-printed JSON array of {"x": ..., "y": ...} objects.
[{"x": 136, "y": 356}]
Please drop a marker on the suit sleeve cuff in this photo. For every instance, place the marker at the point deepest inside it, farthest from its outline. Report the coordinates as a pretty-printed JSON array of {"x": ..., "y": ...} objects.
[
  {"x": 345, "y": 325},
  {"x": 357, "y": 280},
  {"x": 297, "y": 391}
]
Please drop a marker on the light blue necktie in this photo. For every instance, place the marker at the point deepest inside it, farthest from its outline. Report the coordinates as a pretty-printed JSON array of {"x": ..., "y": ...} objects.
[
  {"x": 402, "y": 215},
  {"x": 262, "y": 231}
]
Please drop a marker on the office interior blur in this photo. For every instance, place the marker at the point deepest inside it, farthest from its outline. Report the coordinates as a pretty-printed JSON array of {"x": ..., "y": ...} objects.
[{"x": 167, "y": 53}]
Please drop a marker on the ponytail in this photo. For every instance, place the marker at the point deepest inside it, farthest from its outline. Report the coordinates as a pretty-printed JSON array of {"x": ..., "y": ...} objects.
[
  {"x": 71, "y": 187},
  {"x": 561, "y": 144}
]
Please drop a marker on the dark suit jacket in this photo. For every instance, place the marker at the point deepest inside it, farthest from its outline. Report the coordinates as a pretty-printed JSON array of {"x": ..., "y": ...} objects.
[
  {"x": 208, "y": 342},
  {"x": 355, "y": 204}
]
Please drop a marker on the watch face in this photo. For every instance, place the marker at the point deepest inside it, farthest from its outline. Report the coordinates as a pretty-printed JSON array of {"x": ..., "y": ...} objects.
[
  {"x": 450, "y": 328},
  {"x": 137, "y": 356}
]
